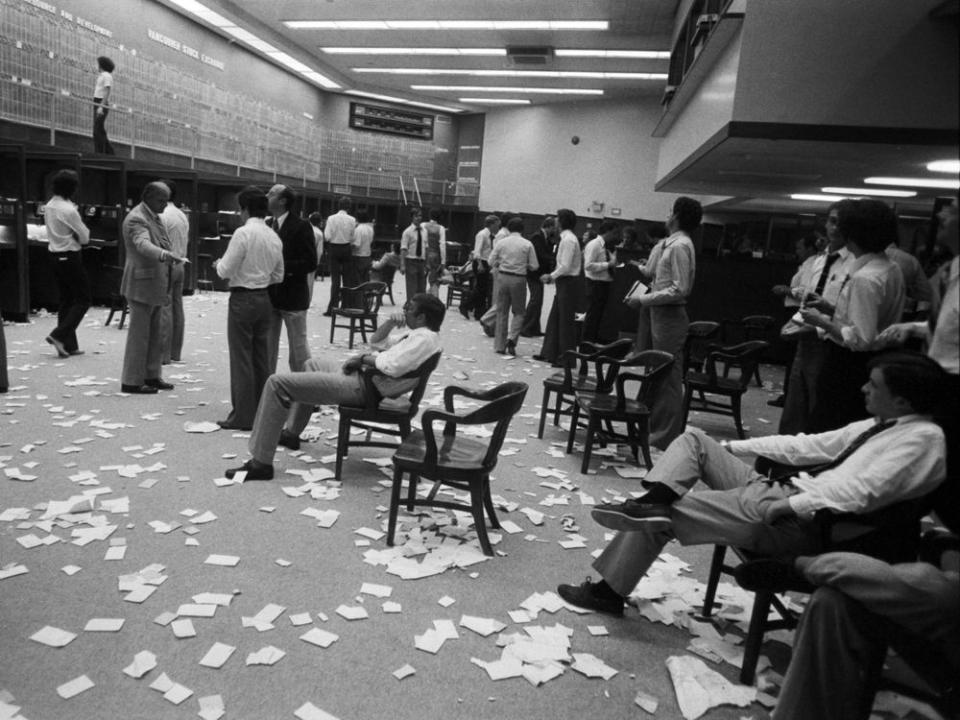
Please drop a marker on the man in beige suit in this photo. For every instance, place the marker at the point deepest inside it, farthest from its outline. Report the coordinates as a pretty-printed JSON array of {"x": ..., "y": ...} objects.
[{"x": 146, "y": 286}]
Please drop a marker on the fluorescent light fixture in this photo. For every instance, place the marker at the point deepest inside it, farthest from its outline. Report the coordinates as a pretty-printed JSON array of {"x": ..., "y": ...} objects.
[
  {"x": 817, "y": 198},
  {"x": 493, "y": 101},
  {"x": 944, "y": 166},
  {"x": 321, "y": 80},
  {"x": 515, "y": 73},
  {"x": 914, "y": 182},
  {"x": 447, "y": 24},
  {"x": 204, "y": 13},
  {"x": 614, "y": 54},
  {"x": 250, "y": 39},
  {"x": 414, "y": 51},
  {"x": 291, "y": 62},
  {"x": 402, "y": 101},
  {"x": 518, "y": 90},
  {"x": 869, "y": 191}
]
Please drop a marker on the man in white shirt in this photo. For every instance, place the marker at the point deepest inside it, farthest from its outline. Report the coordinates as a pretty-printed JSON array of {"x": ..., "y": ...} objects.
[
  {"x": 413, "y": 253},
  {"x": 663, "y": 320},
  {"x": 897, "y": 455},
  {"x": 289, "y": 398},
  {"x": 252, "y": 263},
  {"x": 66, "y": 235},
  {"x": 362, "y": 248},
  {"x": 338, "y": 234},
  {"x": 512, "y": 257},
  {"x": 561, "y": 331},
  {"x": 599, "y": 260},
  {"x": 177, "y": 225},
  {"x": 479, "y": 299}
]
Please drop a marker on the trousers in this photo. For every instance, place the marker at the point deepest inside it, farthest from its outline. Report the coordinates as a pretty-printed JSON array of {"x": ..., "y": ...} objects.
[
  {"x": 299, "y": 347},
  {"x": 249, "y": 315},
  {"x": 143, "y": 352},
  {"x": 511, "y": 298},
  {"x": 664, "y": 327},
  {"x": 74, "y": 296}
]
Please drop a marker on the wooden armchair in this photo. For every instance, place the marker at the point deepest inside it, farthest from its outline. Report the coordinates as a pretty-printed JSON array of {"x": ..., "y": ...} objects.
[
  {"x": 390, "y": 417},
  {"x": 698, "y": 344},
  {"x": 451, "y": 458},
  {"x": 359, "y": 308}
]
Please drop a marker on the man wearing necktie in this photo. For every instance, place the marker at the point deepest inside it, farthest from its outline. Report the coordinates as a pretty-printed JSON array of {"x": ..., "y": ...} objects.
[
  {"x": 829, "y": 270},
  {"x": 598, "y": 263},
  {"x": 413, "y": 246},
  {"x": 898, "y": 454},
  {"x": 146, "y": 286}
]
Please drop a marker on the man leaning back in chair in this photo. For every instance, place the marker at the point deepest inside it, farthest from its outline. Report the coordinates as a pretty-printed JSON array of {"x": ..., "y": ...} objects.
[
  {"x": 408, "y": 339},
  {"x": 898, "y": 454}
]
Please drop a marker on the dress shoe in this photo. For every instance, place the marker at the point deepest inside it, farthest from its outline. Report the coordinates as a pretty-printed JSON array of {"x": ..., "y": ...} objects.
[
  {"x": 777, "y": 402},
  {"x": 61, "y": 350},
  {"x": 500, "y": 352},
  {"x": 254, "y": 470},
  {"x": 465, "y": 312},
  {"x": 138, "y": 389},
  {"x": 74, "y": 353},
  {"x": 289, "y": 440},
  {"x": 586, "y": 596},
  {"x": 158, "y": 384},
  {"x": 540, "y": 357},
  {"x": 632, "y": 515},
  {"x": 512, "y": 347},
  {"x": 224, "y": 425}
]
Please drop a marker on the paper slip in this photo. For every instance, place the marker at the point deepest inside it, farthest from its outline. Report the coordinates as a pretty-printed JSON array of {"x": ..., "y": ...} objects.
[
  {"x": 143, "y": 662},
  {"x": 54, "y": 637},
  {"x": 446, "y": 601},
  {"x": 211, "y": 707},
  {"x": 309, "y": 711},
  {"x": 699, "y": 688},
  {"x": 269, "y": 613},
  {"x": 70, "y": 569},
  {"x": 223, "y": 560},
  {"x": 352, "y": 612},
  {"x": 509, "y": 526},
  {"x": 117, "y": 552},
  {"x": 177, "y": 694},
  {"x": 592, "y": 666},
  {"x": 283, "y": 563},
  {"x": 500, "y": 669},
  {"x": 139, "y": 594},
  {"x": 380, "y": 591},
  {"x": 12, "y": 571},
  {"x": 204, "y": 518},
  {"x": 321, "y": 638},
  {"x": 391, "y": 607},
  {"x": 298, "y": 619},
  {"x": 431, "y": 641},
  {"x": 217, "y": 655},
  {"x": 196, "y": 610},
  {"x": 368, "y": 533},
  {"x": 74, "y": 687},
  {"x": 207, "y": 598},
  {"x": 265, "y": 656},
  {"x": 104, "y": 624},
  {"x": 183, "y": 628},
  {"x": 648, "y": 702},
  {"x": 447, "y": 629},
  {"x": 201, "y": 427},
  {"x": 405, "y": 671},
  {"x": 481, "y": 626},
  {"x": 165, "y": 618},
  {"x": 162, "y": 683}
]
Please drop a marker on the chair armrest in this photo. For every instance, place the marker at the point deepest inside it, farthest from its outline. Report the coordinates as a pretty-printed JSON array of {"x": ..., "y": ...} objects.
[
  {"x": 451, "y": 391},
  {"x": 622, "y": 379},
  {"x": 371, "y": 396}
]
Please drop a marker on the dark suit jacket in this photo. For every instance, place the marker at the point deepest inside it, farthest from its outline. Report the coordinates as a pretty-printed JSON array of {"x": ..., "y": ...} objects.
[
  {"x": 145, "y": 278},
  {"x": 544, "y": 258},
  {"x": 299, "y": 260}
]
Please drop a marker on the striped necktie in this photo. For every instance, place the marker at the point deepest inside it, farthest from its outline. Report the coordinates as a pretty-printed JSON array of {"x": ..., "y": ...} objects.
[{"x": 853, "y": 447}]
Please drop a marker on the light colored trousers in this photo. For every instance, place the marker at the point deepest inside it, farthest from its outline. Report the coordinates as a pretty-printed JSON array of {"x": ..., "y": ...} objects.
[
  {"x": 729, "y": 513},
  {"x": 288, "y": 399},
  {"x": 299, "y": 347},
  {"x": 511, "y": 296},
  {"x": 842, "y": 628},
  {"x": 664, "y": 327},
  {"x": 143, "y": 352},
  {"x": 173, "y": 320}
]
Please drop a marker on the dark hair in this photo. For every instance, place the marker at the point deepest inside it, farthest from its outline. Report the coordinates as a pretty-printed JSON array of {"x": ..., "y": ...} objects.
[
  {"x": 435, "y": 214},
  {"x": 65, "y": 183},
  {"x": 344, "y": 203},
  {"x": 515, "y": 225},
  {"x": 656, "y": 232},
  {"x": 688, "y": 213},
  {"x": 491, "y": 220},
  {"x": 432, "y": 307},
  {"x": 287, "y": 193},
  {"x": 105, "y": 64},
  {"x": 865, "y": 222},
  {"x": 315, "y": 218},
  {"x": 915, "y": 377},
  {"x": 415, "y": 211},
  {"x": 606, "y": 226},
  {"x": 566, "y": 219},
  {"x": 253, "y": 200}
]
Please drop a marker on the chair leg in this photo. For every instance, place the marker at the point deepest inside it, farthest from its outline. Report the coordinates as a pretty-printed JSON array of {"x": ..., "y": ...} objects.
[
  {"x": 557, "y": 408},
  {"x": 343, "y": 444},
  {"x": 412, "y": 491},
  {"x": 543, "y": 412},
  {"x": 123, "y": 315},
  {"x": 735, "y": 409},
  {"x": 687, "y": 399},
  {"x": 758, "y": 624},
  {"x": 488, "y": 504},
  {"x": 394, "y": 504},
  {"x": 333, "y": 325},
  {"x": 643, "y": 431},
  {"x": 716, "y": 569},
  {"x": 479, "y": 523},
  {"x": 592, "y": 425},
  {"x": 574, "y": 419},
  {"x": 756, "y": 376}
]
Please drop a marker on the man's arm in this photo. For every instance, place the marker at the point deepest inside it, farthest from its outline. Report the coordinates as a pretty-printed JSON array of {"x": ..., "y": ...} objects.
[
  {"x": 75, "y": 223},
  {"x": 681, "y": 269}
]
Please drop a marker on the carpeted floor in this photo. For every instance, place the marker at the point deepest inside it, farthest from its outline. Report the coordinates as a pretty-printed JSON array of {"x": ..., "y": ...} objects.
[{"x": 63, "y": 424}]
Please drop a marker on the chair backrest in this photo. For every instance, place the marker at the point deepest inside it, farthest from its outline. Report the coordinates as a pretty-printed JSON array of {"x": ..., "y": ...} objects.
[
  {"x": 423, "y": 376},
  {"x": 745, "y": 356},
  {"x": 367, "y": 297},
  {"x": 654, "y": 368},
  {"x": 589, "y": 352},
  {"x": 699, "y": 335},
  {"x": 504, "y": 401}
]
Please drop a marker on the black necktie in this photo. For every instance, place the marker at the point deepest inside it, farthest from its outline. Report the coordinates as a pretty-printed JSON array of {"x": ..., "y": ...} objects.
[
  {"x": 419, "y": 242},
  {"x": 853, "y": 447},
  {"x": 831, "y": 259}
]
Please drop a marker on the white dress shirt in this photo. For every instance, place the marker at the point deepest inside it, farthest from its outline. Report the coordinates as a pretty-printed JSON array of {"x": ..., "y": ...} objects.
[
  {"x": 177, "y": 225},
  {"x": 596, "y": 260},
  {"x": 514, "y": 255},
  {"x": 671, "y": 268},
  {"x": 907, "y": 460},
  {"x": 406, "y": 351},
  {"x": 362, "y": 240},
  {"x": 870, "y": 300},
  {"x": 482, "y": 244},
  {"x": 254, "y": 257},
  {"x": 65, "y": 230},
  {"x": 945, "y": 343},
  {"x": 569, "y": 257},
  {"x": 339, "y": 228}
]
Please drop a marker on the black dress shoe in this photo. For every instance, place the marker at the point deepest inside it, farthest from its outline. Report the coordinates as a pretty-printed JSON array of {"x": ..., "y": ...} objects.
[
  {"x": 539, "y": 357},
  {"x": 465, "y": 312},
  {"x": 254, "y": 470},
  {"x": 289, "y": 440},
  {"x": 61, "y": 350},
  {"x": 225, "y": 425},
  {"x": 138, "y": 389},
  {"x": 74, "y": 353},
  {"x": 158, "y": 384},
  {"x": 512, "y": 347},
  {"x": 777, "y": 402},
  {"x": 586, "y": 597}
]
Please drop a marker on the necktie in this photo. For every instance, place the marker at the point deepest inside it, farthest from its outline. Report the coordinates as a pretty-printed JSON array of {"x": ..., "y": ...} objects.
[
  {"x": 419, "y": 242},
  {"x": 853, "y": 447},
  {"x": 831, "y": 259}
]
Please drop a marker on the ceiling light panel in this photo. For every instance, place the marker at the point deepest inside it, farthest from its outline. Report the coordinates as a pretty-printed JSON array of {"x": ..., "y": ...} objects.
[
  {"x": 945, "y": 166},
  {"x": 517, "y": 90},
  {"x": 494, "y": 101},
  {"x": 914, "y": 182},
  {"x": 453, "y": 52},
  {"x": 614, "y": 54},
  {"x": 873, "y": 192},
  {"x": 447, "y": 24},
  {"x": 516, "y": 73},
  {"x": 813, "y": 197}
]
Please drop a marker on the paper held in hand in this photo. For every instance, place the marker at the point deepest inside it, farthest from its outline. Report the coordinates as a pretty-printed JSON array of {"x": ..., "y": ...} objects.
[{"x": 635, "y": 291}]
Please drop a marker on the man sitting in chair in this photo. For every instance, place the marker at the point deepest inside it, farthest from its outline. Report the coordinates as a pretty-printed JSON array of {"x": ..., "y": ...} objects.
[
  {"x": 897, "y": 455},
  {"x": 288, "y": 398}
]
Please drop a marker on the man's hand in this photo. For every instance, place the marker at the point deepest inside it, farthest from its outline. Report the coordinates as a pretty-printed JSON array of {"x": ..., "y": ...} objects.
[
  {"x": 546, "y": 279},
  {"x": 781, "y": 290},
  {"x": 818, "y": 303},
  {"x": 352, "y": 364},
  {"x": 815, "y": 318},
  {"x": 776, "y": 510},
  {"x": 897, "y": 334},
  {"x": 633, "y": 302},
  {"x": 402, "y": 268}
]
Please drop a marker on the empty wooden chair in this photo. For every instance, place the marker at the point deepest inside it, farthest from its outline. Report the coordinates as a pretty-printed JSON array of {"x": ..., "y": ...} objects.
[{"x": 359, "y": 308}]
